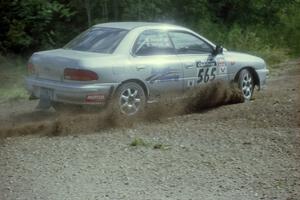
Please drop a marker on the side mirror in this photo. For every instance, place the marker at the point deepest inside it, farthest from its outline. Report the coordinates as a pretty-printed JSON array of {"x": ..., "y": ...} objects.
[{"x": 218, "y": 50}]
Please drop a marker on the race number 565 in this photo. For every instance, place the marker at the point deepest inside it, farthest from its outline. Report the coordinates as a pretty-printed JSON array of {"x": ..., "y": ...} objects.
[{"x": 206, "y": 74}]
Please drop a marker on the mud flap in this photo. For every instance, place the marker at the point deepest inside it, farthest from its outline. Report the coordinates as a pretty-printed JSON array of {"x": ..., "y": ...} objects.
[
  {"x": 32, "y": 97},
  {"x": 45, "y": 99},
  {"x": 44, "y": 104}
]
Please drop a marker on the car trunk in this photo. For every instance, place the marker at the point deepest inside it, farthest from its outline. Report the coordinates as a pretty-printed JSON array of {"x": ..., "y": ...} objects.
[{"x": 50, "y": 65}]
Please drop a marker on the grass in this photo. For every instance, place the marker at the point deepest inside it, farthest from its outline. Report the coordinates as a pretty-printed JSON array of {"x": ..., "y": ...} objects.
[
  {"x": 138, "y": 142},
  {"x": 12, "y": 72}
]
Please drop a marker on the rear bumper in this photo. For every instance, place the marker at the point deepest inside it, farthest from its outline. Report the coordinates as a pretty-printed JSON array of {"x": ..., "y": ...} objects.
[{"x": 75, "y": 93}]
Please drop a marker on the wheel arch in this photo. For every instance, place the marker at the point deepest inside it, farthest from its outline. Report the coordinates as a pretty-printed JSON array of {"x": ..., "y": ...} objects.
[
  {"x": 137, "y": 81},
  {"x": 253, "y": 73}
]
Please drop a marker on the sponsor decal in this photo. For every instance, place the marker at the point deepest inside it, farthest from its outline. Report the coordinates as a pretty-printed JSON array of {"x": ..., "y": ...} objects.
[
  {"x": 206, "y": 70},
  {"x": 222, "y": 66},
  {"x": 208, "y": 63},
  {"x": 93, "y": 98},
  {"x": 223, "y": 69}
]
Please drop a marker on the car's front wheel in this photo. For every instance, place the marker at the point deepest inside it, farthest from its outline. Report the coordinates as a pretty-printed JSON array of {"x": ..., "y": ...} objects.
[
  {"x": 246, "y": 84},
  {"x": 129, "y": 99}
]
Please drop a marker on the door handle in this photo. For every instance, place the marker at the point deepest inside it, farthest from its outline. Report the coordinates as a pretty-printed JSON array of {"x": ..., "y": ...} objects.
[
  {"x": 140, "y": 67},
  {"x": 189, "y": 66}
]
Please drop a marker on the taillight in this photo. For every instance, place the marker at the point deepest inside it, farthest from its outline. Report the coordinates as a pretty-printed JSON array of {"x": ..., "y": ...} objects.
[
  {"x": 30, "y": 68},
  {"x": 80, "y": 75}
]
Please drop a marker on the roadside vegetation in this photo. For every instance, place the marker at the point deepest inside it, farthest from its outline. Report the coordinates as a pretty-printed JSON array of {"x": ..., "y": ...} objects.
[
  {"x": 12, "y": 71},
  {"x": 266, "y": 28}
]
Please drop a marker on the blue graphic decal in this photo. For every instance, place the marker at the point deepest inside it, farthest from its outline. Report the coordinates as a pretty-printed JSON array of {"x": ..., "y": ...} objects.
[{"x": 166, "y": 74}]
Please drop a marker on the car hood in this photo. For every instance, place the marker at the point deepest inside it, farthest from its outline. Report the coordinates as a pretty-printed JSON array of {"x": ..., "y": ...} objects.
[{"x": 243, "y": 57}]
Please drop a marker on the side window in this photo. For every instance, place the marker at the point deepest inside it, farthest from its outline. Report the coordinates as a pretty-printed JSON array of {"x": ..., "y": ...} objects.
[
  {"x": 153, "y": 42},
  {"x": 186, "y": 43}
]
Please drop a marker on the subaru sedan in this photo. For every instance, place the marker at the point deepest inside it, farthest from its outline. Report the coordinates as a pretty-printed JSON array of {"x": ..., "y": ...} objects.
[{"x": 129, "y": 64}]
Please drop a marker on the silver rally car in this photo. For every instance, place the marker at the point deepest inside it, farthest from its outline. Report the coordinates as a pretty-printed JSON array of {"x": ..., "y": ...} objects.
[{"x": 131, "y": 63}]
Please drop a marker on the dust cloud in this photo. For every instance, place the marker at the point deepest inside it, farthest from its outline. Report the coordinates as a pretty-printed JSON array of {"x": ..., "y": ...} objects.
[{"x": 83, "y": 122}]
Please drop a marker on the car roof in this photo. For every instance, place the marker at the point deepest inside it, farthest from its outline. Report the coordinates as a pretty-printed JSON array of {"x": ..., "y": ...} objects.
[{"x": 133, "y": 25}]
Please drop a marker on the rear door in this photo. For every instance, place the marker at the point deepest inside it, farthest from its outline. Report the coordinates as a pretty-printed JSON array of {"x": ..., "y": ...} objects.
[
  {"x": 199, "y": 66},
  {"x": 155, "y": 60}
]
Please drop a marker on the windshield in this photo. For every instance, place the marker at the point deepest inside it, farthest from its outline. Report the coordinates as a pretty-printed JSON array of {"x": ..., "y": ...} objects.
[{"x": 100, "y": 40}]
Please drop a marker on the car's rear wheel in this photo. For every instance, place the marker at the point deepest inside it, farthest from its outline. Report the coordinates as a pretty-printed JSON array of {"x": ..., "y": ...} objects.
[
  {"x": 246, "y": 84},
  {"x": 129, "y": 100}
]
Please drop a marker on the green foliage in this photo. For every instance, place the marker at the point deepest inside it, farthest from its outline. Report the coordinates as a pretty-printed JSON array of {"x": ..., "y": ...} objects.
[
  {"x": 263, "y": 27},
  {"x": 16, "y": 35},
  {"x": 138, "y": 142},
  {"x": 31, "y": 23},
  {"x": 12, "y": 71},
  {"x": 257, "y": 39},
  {"x": 290, "y": 18}
]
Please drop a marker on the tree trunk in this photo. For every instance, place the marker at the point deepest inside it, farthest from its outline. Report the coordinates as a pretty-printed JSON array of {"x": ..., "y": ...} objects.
[
  {"x": 105, "y": 11},
  {"x": 139, "y": 10},
  {"x": 88, "y": 12},
  {"x": 115, "y": 9}
]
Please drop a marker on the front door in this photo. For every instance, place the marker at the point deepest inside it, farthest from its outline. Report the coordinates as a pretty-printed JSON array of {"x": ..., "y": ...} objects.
[{"x": 199, "y": 66}]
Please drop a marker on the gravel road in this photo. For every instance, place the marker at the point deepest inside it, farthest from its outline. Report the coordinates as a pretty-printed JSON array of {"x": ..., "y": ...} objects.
[{"x": 239, "y": 151}]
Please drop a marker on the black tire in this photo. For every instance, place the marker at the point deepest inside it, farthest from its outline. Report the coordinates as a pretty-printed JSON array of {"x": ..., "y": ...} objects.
[
  {"x": 246, "y": 84},
  {"x": 129, "y": 100}
]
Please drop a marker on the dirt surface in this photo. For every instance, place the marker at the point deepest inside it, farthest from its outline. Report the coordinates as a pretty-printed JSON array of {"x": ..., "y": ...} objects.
[{"x": 236, "y": 151}]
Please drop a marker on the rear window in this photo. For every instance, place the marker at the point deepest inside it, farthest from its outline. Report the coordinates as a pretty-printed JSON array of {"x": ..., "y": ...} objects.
[{"x": 100, "y": 40}]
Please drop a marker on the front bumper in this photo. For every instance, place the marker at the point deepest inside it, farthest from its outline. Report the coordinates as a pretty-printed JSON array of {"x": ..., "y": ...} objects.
[
  {"x": 66, "y": 92},
  {"x": 263, "y": 75}
]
